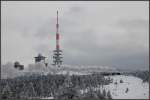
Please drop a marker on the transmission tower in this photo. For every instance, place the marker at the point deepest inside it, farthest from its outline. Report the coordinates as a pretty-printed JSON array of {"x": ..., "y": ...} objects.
[{"x": 57, "y": 58}]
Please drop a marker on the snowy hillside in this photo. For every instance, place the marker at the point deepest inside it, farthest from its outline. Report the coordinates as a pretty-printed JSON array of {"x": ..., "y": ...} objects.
[
  {"x": 131, "y": 87},
  {"x": 136, "y": 88}
]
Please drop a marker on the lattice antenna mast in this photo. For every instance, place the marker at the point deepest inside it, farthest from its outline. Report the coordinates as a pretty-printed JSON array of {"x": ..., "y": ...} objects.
[
  {"x": 57, "y": 34},
  {"x": 57, "y": 53}
]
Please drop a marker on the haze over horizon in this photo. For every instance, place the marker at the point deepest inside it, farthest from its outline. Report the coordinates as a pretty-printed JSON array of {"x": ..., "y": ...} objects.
[{"x": 114, "y": 33}]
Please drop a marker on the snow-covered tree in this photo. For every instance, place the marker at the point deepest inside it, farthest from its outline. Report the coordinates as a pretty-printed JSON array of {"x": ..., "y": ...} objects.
[
  {"x": 104, "y": 92},
  {"x": 29, "y": 90},
  {"x": 109, "y": 95},
  {"x": 67, "y": 90},
  {"x": 6, "y": 92},
  {"x": 100, "y": 95}
]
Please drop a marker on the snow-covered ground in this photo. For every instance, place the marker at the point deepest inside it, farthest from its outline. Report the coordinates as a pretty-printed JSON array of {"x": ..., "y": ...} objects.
[
  {"x": 72, "y": 73},
  {"x": 136, "y": 88},
  {"x": 48, "y": 98}
]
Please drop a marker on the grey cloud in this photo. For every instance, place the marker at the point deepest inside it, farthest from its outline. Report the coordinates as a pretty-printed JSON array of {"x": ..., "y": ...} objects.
[
  {"x": 46, "y": 29},
  {"x": 132, "y": 24},
  {"x": 83, "y": 43},
  {"x": 76, "y": 9},
  {"x": 136, "y": 31},
  {"x": 83, "y": 39},
  {"x": 135, "y": 28},
  {"x": 129, "y": 53},
  {"x": 42, "y": 48},
  {"x": 133, "y": 61}
]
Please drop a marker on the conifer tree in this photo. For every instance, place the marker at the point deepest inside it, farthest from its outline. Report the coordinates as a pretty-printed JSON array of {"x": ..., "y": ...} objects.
[
  {"x": 104, "y": 93},
  {"x": 109, "y": 95},
  {"x": 6, "y": 92}
]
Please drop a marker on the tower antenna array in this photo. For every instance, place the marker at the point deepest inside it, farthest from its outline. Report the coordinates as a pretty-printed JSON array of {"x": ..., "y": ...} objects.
[{"x": 57, "y": 58}]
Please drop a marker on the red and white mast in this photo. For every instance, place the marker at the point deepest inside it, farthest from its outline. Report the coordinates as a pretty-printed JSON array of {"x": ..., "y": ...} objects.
[
  {"x": 57, "y": 34},
  {"x": 56, "y": 57}
]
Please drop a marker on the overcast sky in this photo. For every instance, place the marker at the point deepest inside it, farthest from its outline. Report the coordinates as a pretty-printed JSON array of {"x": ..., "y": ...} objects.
[{"x": 101, "y": 33}]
